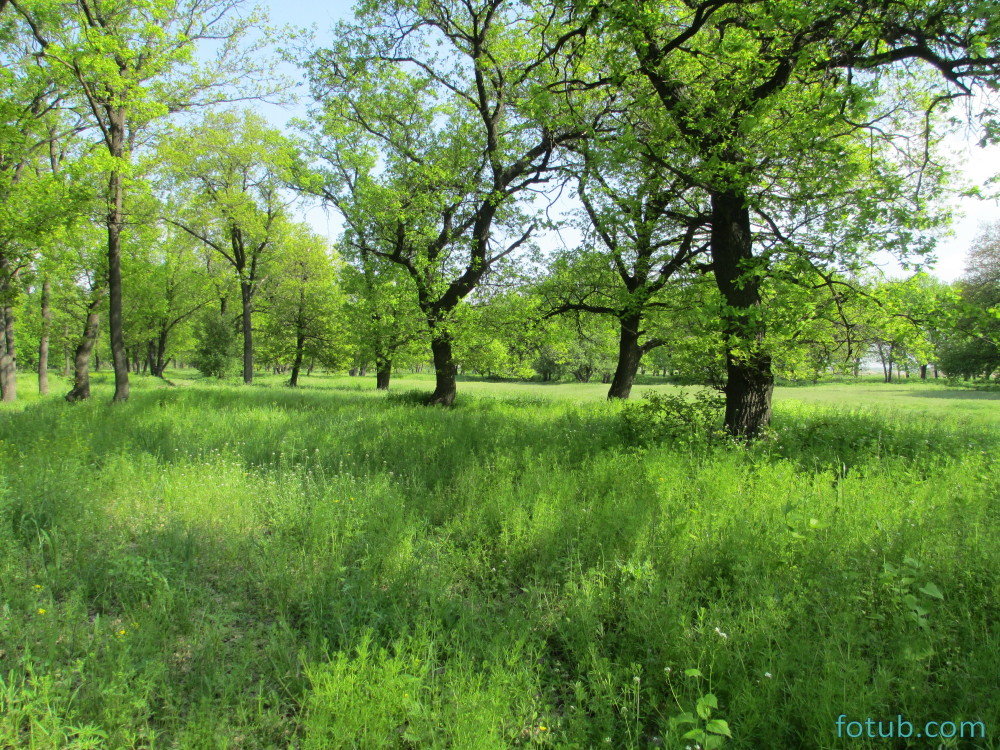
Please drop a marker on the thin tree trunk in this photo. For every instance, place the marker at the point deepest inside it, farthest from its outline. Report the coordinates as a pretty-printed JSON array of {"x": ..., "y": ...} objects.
[
  {"x": 43, "y": 341},
  {"x": 300, "y": 341},
  {"x": 629, "y": 355},
  {"x": 160, "y": 361},
  {"x": 383, "y": 371},
  {"x": 115, "y": 285},
  {"x": 445, "y": 371},
  {"x": 81, "y": 378},
  {"x": 245, "y": 293},
  {"x": 750, "y": 381},
  {"x": 65, "y": 346},
  {"x": 8, "y": 354}
]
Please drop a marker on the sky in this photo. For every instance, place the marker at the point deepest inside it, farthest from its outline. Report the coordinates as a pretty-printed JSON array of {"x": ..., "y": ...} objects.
[{"x": 975, "y": 165}]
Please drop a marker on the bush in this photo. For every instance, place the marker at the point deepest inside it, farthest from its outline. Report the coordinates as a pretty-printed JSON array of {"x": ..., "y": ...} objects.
[
  {"x": 674, "y": 417},
  {"x": 215, "y": 346}
]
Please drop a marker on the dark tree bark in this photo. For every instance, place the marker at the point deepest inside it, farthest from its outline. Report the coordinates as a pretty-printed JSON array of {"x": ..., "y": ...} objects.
[
  {"x": 8, "y": 351},
  {"x": 8, "y": 354},
  {"x": 445, "y": 371},
  {"x": 629, "y": 354},
  {"x": 160, "y": 361},
  {"x": 300, "y": 347},
  {"x": 65, "y": 345},
  {"x": 750, "y": 382},
  {"x": 246, "y": 294},
  {"x": 383, "y": 372},
  {"x": 923, "y": 372},
  {"x": 115, "y": 222},
  {"x": 81, "y": 378},
  {"x": 43, "y": 341}
]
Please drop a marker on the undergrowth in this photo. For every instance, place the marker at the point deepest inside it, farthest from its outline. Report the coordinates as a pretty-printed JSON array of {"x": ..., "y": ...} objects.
[{"x": 212, "y": 566}]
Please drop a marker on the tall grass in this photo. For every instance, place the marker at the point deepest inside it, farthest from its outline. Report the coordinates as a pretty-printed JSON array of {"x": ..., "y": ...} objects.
[{"x": 215, "y": 566}]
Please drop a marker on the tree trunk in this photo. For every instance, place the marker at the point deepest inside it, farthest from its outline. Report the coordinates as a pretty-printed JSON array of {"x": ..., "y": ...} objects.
[
  {"x": 750, "y": 382},
  {"x": 65, "y": 346},
  {"x": 115, "y": 222},
  {"x": 81, "y": 378},
  {"x": 43, "y": 341},
  {"x": 923, "y": 372},
  {"x": 312, "y": 364},
  {"x": 245, "y": 293},
  {"x": 445, "y": 371},
  {"x": 8, "y": 352},
  {"x": 629, "y": 355},
  {"x": 8, "y": 355},
  {"x": 160, "y": 361},
  {"x": 300, "y": 342},
  {"x": 383, "y": 371}
]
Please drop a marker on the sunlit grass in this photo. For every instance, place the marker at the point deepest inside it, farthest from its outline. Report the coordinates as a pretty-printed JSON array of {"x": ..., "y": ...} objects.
[{"x": 212, "y": 565}]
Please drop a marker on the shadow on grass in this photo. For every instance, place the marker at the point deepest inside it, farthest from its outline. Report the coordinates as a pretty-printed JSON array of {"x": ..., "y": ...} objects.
[{"x": 970, "y": 394}]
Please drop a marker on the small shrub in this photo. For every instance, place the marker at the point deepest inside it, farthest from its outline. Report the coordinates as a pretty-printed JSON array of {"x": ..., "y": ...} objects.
[
  {"x": 215, "y": 346},
  {"x": 675, "y": 418}
]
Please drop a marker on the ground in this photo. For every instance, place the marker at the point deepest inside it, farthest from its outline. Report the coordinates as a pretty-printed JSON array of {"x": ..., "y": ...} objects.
[{"x": 212, "y": 565}]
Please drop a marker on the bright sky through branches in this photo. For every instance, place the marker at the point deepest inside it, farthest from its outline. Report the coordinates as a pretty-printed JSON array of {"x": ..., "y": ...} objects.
[{"x": 977, "y": 165}]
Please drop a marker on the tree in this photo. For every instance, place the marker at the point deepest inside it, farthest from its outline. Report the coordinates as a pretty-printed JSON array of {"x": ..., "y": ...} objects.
[
  {"x": 304, "y": 301},
  {"x": 971, "y": 348},
  {"x": 383, "y": 320},
  {"x": 227, "y": 175},
  {"x": 431, "y": 129},
  {"x": 215, "y": 345},
  {"x": 760, "y": 98},
  {"x": 130, "y": 63},
  {"x": 88, "y": 293},
  {"x": 167, "y": 288},
  {"x": 34, "y": 201}
]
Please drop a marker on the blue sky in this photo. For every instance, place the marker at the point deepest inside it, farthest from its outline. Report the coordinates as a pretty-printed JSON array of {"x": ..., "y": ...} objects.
[{"x": 977, "y": 165}]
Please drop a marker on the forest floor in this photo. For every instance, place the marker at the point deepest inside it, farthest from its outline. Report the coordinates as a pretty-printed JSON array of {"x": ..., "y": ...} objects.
[{"x": 216, "y": 566}]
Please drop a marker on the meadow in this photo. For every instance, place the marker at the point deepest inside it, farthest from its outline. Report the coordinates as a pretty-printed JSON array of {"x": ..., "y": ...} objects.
[{"x": 219, "y": 566}]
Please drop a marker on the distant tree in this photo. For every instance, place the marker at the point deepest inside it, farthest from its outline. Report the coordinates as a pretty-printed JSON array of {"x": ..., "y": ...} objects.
[
  {"x": 753, "y": 103},
  {"x": 130, "y": 63},
  {"x": 304, "y": 301},
  {"x": 431, "y": 131},
  {"x": 215, "y": 349},
  {"x": 971, "y": 348},
  {"x": 227, "y": 175},
  {"x": 384, "y": 323}
]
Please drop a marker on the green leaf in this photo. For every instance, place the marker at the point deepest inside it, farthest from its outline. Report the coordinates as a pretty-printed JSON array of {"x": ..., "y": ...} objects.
[
  {"x": 931, "y": 590},
  {"x": 705, "y": 705},
  {"x": 718, "y": 726},
  {"x": 693, "y": 672}
]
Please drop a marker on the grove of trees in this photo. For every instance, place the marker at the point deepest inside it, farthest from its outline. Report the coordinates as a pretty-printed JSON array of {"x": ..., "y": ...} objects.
[{"x": 550, "y": 189}]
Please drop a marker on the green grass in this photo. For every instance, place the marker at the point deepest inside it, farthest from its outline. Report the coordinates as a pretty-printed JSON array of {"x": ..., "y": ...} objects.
[{"x": 211, "y": 565}]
